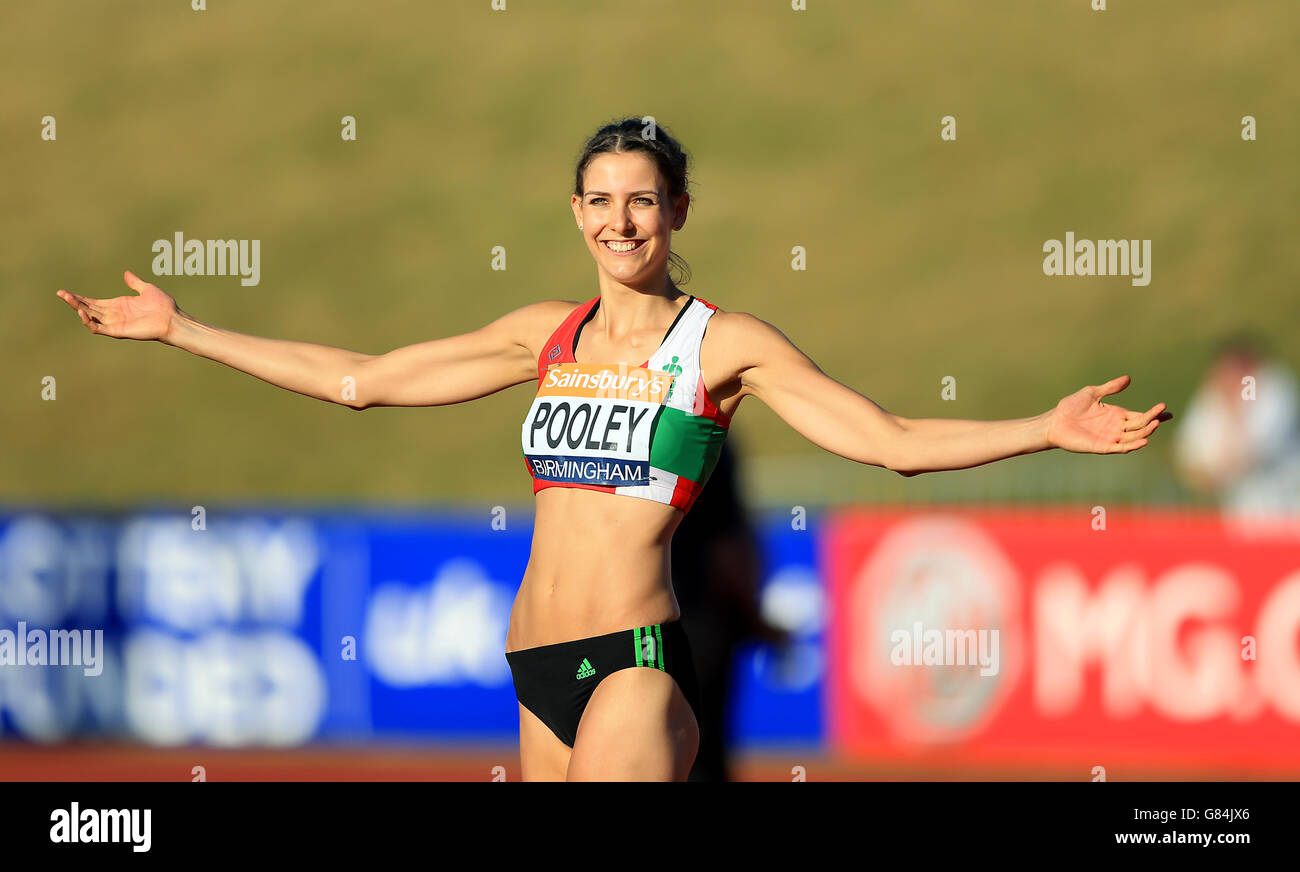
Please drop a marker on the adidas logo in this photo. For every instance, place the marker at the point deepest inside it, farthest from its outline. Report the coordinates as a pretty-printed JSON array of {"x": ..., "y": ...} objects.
[{"x": 585, "y": 669}]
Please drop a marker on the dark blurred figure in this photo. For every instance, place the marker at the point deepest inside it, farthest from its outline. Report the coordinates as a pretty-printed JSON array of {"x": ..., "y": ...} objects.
[
  {"x": 1240, "y": 438},
  {"x": 716, "y": 566}
]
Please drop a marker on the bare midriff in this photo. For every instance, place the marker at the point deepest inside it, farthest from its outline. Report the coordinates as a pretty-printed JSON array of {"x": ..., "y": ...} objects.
[{"x": 600, "y": 563}]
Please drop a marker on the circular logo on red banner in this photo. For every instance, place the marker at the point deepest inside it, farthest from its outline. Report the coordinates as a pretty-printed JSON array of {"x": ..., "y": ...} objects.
[{"x": 936, "y": 641}]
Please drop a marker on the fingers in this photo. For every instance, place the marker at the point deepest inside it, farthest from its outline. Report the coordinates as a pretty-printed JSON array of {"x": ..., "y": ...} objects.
[
  {"x": 74, "y": 300},
  {"x": 82, "y": 306},
  {"x": 1134, "y": 435},
  {"x": 94, "y": 306},
  {"x": 86, "y": 319},
  {"x": 1135, "y": 421},
  {"x": 1132, "y": 440}
]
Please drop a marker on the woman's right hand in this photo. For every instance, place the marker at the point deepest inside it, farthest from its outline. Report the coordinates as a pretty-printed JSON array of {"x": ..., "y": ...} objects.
[{"x": 148, "y": 315}]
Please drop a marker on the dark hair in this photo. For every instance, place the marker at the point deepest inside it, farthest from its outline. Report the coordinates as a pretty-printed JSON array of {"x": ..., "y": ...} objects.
[
  {"x": 1243, "y": 343},
  {"x": 645, "y": 135}
]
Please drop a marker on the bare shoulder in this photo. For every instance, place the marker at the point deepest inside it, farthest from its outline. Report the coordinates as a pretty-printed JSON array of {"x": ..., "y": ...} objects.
[
  {"x": 738, "y": 324},
  {"x": 532, "y": 324},
  {"x": 544, "y": 311},
  {"x": 744, "y": 339}
]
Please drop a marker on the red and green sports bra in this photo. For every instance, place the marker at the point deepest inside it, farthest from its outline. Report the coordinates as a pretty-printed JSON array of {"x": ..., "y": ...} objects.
[{"x": 646, "y": 431}]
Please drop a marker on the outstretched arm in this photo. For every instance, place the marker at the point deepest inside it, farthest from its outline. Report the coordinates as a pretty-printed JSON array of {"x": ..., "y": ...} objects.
[
  {"x": 434, "y": 373},
  {"x": 843, "y": 421}
]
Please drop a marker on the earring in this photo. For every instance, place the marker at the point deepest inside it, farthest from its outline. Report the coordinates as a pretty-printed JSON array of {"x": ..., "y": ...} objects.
[{"x": 579, "y": 226}]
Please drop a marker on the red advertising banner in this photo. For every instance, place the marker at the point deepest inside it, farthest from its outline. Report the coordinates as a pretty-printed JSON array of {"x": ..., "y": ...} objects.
[{"x": 1068, "y": 638}]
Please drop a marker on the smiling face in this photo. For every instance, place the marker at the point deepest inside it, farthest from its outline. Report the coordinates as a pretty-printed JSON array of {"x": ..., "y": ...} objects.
[{"x": 628, "y": 216}]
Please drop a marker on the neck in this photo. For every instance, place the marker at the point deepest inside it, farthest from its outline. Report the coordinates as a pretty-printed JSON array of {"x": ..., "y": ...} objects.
[{"x": 625, "y": 309}]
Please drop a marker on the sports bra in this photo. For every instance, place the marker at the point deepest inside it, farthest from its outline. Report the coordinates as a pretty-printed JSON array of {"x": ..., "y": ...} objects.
[{"x": 647, "y": 431}]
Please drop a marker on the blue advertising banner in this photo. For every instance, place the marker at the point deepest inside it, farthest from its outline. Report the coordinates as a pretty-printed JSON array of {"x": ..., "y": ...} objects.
[
  {"x": 266, "y": 628},
  {"x": 779, "y": 689}
]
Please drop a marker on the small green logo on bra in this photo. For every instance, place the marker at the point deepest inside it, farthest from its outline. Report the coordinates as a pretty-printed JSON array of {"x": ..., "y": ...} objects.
[{"x": 674, "y": 370}]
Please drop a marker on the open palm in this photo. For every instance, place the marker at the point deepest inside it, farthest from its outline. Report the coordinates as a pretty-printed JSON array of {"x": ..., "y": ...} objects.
[
  {"x": 1083, "y": 423},
  {"x": 148, "y": 315}
]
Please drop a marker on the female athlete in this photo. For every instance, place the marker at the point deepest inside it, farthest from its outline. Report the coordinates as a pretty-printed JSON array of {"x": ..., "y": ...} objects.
[{"x": 634, "y": 399}]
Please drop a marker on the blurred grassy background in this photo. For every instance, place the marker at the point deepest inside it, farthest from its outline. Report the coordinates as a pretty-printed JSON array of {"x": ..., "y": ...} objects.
[{"x": 817, "y": 128}]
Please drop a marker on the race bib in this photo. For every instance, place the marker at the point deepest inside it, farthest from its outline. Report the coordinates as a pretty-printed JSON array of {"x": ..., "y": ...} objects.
[{"x": 591, "y": 423}]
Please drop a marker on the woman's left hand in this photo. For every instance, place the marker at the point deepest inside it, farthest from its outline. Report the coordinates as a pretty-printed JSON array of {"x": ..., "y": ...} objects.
[{"x": 1083, "y": 423}]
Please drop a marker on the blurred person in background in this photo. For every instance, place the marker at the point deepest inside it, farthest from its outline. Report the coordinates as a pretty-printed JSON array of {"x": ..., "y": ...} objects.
[
  {"x": 1240, "y": 440},
  {"x": 716, "y": 567}
]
